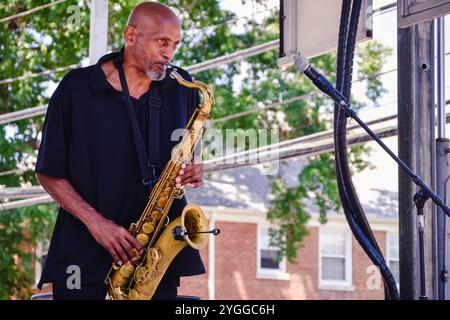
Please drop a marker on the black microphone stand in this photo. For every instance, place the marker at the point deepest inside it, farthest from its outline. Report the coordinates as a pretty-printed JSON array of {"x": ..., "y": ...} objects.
[
  {"x": 420, "y": 198},
  {"x": 424, "y": 193}
]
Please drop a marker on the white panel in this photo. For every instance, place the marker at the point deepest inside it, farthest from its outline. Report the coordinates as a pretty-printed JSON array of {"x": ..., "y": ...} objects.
[
  {"x": 314, "y": 24},
  {"x": 318, "y": 32}
]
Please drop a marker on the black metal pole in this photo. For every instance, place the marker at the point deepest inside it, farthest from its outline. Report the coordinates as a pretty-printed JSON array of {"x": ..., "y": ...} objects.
[
  {"x": 414, "y": 177},
  {"x": 419, "y": 201}
]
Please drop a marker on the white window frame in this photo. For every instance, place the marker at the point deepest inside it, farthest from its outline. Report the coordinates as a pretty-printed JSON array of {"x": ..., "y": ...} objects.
[
  {"x": 388, "y": 256},
  {"x": 264, "y": 273},
  {"x": 337, "y": 284}
]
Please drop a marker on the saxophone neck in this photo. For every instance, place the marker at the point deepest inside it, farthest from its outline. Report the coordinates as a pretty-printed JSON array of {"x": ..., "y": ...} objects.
[{"x": 205, "y": 90}]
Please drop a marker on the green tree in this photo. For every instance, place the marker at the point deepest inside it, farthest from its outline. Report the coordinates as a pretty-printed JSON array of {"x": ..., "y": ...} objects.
[
  {"x": 317, "y": 179},
  {"x": 29, "y": 44}
]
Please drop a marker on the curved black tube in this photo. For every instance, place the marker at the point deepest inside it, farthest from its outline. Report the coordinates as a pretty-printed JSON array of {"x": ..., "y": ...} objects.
[{"x": 350, "y": 202}]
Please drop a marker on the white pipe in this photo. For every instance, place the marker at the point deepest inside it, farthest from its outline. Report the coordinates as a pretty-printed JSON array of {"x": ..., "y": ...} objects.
[
  {"x": 98, "y": 35},
  {"x": 211, "y": 260}
]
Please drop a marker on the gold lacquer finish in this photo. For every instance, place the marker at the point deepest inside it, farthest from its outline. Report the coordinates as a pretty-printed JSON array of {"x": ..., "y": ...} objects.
[{"x": 138, "y": 280}]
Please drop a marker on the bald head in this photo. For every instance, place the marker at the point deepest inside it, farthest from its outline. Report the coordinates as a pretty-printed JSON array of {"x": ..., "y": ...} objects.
[
  {"x": 152, "y": 35},
  {"x": 151, "y": 11}
]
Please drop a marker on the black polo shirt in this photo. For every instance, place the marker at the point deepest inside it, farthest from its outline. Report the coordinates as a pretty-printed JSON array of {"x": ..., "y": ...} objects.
[{"x": 87, "y": 139}]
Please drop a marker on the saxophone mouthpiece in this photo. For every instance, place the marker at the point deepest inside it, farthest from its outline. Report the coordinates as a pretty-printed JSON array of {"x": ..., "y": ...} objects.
[
  {"x": 175, "y": 75},
  {"x": 172, "y": 69}
]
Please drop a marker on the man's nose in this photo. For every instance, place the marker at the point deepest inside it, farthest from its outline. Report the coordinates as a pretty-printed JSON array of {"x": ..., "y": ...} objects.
[{"x": 168, "y": 53}]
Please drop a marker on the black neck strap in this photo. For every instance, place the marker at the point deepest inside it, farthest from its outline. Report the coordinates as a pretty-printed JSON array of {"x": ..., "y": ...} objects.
[{"x": 148, "y": 162}]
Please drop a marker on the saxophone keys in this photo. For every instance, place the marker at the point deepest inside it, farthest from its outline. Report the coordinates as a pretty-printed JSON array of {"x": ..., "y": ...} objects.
[
  {"x": 137, "y": 255},
  {"x": 132, "y": 228},
  {"x": 133, "y": 294},
  {"x": 141, "y": 274},
  {"x": 179, "y": 192},
  {"x": 153, "y": 255},
  {"x": 126, "y": 270},
  {"x": 170, "y": 183},
  {"x": 156, "y": 215},
  {"x": 142, "y": 238},
  {"x": 173, "y": 175},
  {"x": 166, "y": 223},
  {"x": 161, "y": 202},
  {"x": 167, "y": 191},
  {"x": 148, "y": 227}
]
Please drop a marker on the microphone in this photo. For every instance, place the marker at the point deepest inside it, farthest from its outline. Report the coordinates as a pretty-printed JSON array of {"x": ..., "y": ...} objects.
[{"x": 302, "y": 65}]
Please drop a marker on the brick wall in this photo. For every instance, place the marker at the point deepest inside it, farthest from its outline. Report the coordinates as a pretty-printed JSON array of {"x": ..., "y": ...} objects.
[{"x": 236, "y": 270}]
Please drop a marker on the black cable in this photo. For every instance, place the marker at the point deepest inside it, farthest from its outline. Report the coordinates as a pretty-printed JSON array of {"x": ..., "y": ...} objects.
[
  {"x": 340, "y": 65},
  {"x": 350, "y": 202},
  {"x": 342, "y": 124}
]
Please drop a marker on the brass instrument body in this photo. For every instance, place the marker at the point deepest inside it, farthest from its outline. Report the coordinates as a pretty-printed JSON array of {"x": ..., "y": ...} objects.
[{"x": 139, "y": 280}]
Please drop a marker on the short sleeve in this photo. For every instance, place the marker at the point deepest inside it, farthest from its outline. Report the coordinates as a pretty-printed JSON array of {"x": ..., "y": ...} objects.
[{"x": 53, "y": 150}]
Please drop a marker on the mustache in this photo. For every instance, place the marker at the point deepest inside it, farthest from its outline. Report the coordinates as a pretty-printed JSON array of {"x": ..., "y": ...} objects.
[{"x": 162, "y": 63}]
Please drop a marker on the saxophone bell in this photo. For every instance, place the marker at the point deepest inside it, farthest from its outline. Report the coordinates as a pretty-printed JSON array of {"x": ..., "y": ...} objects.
[
  {"x": 195, "y": 224},
  {"x": 193, "y": 227}
]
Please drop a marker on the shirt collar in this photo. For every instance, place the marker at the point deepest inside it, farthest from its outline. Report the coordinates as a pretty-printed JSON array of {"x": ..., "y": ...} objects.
[{"x": 98, "y": 79}]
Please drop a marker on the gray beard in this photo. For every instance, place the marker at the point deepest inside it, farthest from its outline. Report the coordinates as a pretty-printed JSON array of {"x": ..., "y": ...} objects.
[
  {"x": 152, "y": 75},
  {"x": 155, "y": 76}
]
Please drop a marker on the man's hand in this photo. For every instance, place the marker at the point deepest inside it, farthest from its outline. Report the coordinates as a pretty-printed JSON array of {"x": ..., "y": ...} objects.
[
  {"x": 192, "y": 174},
  {"x": 122, "y": 246}
]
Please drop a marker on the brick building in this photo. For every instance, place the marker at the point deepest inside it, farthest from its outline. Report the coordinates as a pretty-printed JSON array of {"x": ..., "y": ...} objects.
[{"x": 330, "y": 264}]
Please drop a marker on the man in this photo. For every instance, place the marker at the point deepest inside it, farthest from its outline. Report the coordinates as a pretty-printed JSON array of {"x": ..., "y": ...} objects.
[{"x": 88, "y": 160}]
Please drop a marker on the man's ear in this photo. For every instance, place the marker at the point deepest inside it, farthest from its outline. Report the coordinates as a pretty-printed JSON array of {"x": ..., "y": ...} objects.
[{"x": 129, "y": 35}]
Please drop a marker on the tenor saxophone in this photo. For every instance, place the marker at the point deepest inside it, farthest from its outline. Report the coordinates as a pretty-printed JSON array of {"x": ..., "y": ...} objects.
[{"x": 163, "y": 239}]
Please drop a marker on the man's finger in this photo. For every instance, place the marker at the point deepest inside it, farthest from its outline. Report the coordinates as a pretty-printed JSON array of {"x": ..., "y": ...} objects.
[
  {"x": 127, "y": 248},
  {"x": 113, "y": 254},
  {"x": 187, "y": 177},
  {"x": 188, "y": 168},
  {"x": 191, "y": 167},
  {"x": 184, "y": 177},
  {"x": 134, "y": 242},
  {"x": 122, "y": 255},
  {"x": 195, "y": 178},
  {"x": 196, "y": 184}
]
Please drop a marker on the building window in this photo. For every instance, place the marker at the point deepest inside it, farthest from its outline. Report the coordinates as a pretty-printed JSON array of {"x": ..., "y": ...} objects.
[
  {"x": 41, "y": 255},
  {"x": 267, "y": 264},
  {"x": 393, "y": 256},
  {"x": 335, "y": 265}
]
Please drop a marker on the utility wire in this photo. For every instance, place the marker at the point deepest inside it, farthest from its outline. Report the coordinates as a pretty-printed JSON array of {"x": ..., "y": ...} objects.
[
  {"x": 258, "y": 108},
  {"x": 34, "y": 75},
  {"x": 229, "y": 21},
  {"x": 25, "y": 13}
]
